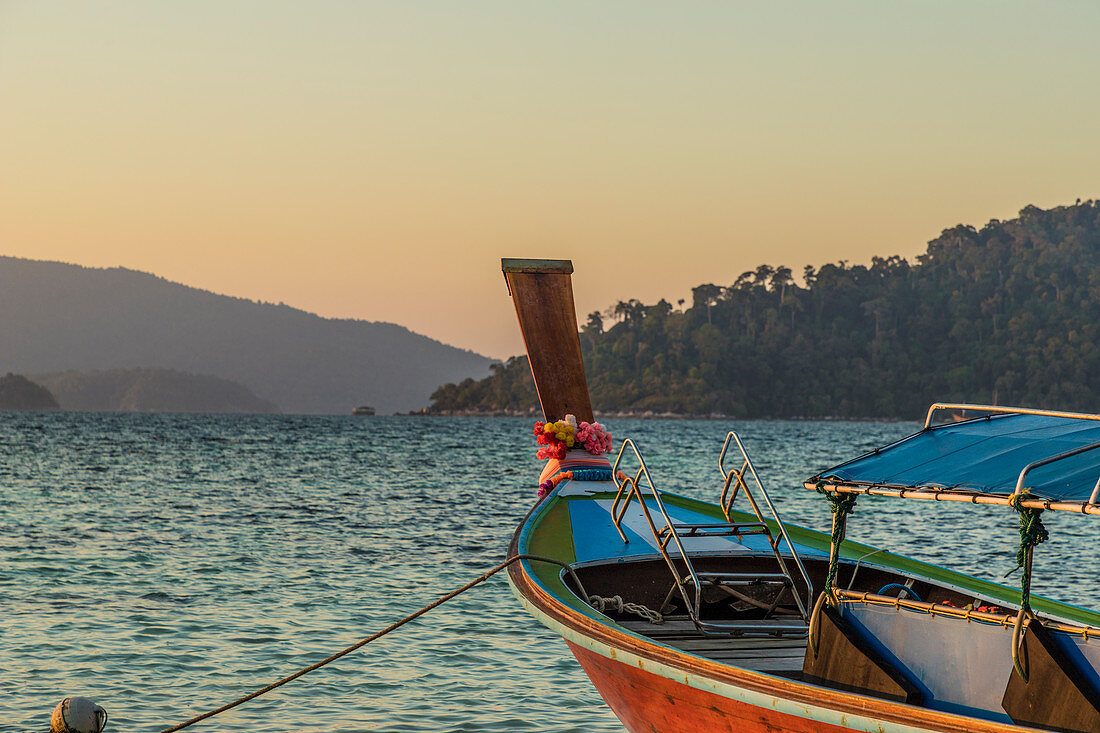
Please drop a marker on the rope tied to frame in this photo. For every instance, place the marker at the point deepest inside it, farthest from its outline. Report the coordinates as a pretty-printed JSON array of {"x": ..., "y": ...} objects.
[
  {"x": 841, "y": 505},
  {"x": 1032, "y": 533}
]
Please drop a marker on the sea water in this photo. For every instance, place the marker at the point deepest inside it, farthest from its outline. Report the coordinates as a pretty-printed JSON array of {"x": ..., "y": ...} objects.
[{"x": 164, "y": 565}]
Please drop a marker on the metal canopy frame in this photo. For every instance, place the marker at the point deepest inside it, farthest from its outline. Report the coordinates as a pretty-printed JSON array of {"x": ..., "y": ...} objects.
[{"x": 936, "y": 493}]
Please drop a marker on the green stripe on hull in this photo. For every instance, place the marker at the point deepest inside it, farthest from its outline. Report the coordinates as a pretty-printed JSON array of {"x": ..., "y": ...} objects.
[{"x": 551, "y": 535}]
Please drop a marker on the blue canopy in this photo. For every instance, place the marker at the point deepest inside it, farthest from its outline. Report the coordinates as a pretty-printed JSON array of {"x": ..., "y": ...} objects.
[{"x": 985, "y": 456}]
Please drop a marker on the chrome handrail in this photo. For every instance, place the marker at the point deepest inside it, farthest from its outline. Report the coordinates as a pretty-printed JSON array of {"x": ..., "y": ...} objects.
[
  {"x": 669, "y": 529},
  {"x": 727, "y": 476},
  {"x": 629, "y": 488}
]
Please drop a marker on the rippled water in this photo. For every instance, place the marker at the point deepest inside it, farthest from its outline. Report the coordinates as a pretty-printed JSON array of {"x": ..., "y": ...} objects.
[{"x": 165, "y": 564}]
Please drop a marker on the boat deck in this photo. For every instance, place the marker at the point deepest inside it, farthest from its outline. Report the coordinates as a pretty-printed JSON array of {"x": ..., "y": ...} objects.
[{"x": 777, "y": 655}]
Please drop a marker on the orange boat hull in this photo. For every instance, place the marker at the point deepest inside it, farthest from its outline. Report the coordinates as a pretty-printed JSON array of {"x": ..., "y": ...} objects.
[
  {"x": 640, "y": 681},
  {"x": 647, "y": 702}
]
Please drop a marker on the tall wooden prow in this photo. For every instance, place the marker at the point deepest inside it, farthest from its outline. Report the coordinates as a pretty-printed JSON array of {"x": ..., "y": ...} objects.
[{"x": 542, "y": 291}]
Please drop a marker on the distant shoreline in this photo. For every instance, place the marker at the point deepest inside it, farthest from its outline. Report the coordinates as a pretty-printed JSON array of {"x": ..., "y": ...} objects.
[{"x": 649, "y": 415}]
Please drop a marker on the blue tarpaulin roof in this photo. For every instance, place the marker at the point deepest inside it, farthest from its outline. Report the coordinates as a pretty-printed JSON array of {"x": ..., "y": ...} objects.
[{"x": 986, "y": 456}]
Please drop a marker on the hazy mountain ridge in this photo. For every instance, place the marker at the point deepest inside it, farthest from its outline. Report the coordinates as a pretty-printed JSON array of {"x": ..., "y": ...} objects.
[
  {"x": 150, "y": 390},
  {"x": 56, "y": 317},
  {"x": 19, "y": 393}
]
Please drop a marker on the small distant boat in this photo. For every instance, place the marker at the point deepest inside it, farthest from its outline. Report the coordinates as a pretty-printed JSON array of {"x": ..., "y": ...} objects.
[
  {"x": 363, "y": 410},
  {"x": 693, "y": 616}
]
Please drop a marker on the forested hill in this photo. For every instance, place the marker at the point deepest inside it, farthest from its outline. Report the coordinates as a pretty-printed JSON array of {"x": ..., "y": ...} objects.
[{"x": 1008, "y": 314}]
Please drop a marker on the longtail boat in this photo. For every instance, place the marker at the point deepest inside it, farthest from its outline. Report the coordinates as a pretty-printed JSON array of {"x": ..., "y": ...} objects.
[{"x": 691, "y": 616}]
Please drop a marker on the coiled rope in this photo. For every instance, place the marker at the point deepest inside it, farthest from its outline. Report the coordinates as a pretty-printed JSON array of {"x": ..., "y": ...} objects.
[
  {"x": 348, "y": 650},
  {"x": 601, "y": 604}
]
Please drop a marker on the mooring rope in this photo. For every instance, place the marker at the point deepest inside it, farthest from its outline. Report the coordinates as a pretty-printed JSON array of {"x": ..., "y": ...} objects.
[{"x": 347, "y": 650}]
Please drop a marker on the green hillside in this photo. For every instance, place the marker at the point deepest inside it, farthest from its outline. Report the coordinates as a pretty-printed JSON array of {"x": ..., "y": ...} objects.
[{"x": 1009, "y": 314}]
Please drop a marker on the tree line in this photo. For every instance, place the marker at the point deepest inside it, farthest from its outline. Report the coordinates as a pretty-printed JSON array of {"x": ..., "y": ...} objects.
[{"x": 1007, "y": 314}]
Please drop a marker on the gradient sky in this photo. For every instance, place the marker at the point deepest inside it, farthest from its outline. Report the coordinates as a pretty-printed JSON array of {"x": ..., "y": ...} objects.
[{"x": 375, "y": 160}]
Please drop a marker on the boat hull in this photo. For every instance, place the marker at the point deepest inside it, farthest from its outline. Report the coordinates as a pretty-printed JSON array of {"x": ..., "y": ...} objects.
[
  {"x": 647, "y": 702},
  {"x": 655, "y": 688}
]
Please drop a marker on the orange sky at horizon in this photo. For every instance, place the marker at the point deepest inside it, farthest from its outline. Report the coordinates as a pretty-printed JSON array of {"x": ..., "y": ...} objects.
[{"x": 376, "y": 160}]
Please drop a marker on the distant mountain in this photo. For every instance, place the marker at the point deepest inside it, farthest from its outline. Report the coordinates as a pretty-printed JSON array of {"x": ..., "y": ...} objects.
[
  {"x": 150, "y": 390},
  {"x": 57, "y": 317},
  {"x": 19, "y": 393}
]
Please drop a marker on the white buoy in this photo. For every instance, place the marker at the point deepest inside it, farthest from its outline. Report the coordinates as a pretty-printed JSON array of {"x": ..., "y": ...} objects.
[{"x": 78, "y": 715}]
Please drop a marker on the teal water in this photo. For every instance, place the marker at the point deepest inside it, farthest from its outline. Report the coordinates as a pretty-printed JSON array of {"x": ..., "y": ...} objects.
[{"x": 166, "y": 564}]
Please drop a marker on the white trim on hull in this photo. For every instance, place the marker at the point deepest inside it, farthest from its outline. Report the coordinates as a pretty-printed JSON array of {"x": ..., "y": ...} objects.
[{"x": 751, "y": 697}]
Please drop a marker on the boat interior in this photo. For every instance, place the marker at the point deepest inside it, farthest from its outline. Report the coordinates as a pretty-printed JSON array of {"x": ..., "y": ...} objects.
[
  {"x": 762, "y": 625},
  {"x": 745, "y": 590}
]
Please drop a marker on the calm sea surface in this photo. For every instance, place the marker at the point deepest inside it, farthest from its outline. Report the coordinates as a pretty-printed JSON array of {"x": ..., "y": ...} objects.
[{"x": 165, "y": 564}]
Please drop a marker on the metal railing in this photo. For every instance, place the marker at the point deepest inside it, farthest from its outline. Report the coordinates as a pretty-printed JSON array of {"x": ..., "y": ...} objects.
[
  {"x": 728, "y": 497},
  {"x": 1020, "y": 482},
  {"x": 690, "y": 583},
  {"x": 968, "y": 614},
  {"x": 663, "y": 535}
]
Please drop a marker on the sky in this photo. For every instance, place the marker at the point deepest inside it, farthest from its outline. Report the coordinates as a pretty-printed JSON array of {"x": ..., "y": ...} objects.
[{"x": 375, "y": 160}]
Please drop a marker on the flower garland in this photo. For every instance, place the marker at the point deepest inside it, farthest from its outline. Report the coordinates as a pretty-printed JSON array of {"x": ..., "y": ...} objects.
[
  {"x": 595, "y": 438},
  {"x": 555, "y": 437},
  {"x": 552, "y": 483},
  {"x": 558, "y": 437}
]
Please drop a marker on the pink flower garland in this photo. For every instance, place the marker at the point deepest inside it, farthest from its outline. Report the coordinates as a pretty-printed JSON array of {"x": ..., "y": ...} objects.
[
  {"x": 594, "y": 437},
  {"x": 558, "y": 437}
]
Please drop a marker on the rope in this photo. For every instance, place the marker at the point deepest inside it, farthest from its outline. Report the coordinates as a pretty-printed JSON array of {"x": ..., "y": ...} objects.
[
  {"x": 841, "y": 506},
  {"x": 1032, "y": 533},
  {"x": 347, "y": 650},
  {"x": 600, "y": 603}
]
